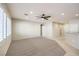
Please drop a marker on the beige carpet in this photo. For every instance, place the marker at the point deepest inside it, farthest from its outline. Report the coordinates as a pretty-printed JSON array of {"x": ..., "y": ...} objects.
[{"x": 35, "y": 47}]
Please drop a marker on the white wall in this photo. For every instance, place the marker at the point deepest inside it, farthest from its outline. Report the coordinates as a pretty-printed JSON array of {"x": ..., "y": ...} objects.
[
  {"x": 4, "y": 45},
  {"x": 48, "y": 30},
  {"x": 25, "y": 29}
]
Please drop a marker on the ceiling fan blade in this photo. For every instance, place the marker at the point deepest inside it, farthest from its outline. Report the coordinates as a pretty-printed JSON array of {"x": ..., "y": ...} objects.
[
  {"x": 42, "y": 17},
  {"x": 45, "y": 18},
  {"x": 48, "y": 16}
]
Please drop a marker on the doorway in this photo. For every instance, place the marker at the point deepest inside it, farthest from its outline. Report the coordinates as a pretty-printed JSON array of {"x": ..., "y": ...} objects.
[{"x": 58, "y": 29}]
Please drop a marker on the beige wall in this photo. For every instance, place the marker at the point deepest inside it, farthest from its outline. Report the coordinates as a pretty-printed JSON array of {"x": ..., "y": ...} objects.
[
  {"x": 25, "y": 29},
  {"x": 4, "y": 45},
  {"x": 58, "y": 30}
]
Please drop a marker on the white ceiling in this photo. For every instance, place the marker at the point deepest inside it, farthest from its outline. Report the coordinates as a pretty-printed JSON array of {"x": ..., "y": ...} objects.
[{"x": 58, "y": 11}]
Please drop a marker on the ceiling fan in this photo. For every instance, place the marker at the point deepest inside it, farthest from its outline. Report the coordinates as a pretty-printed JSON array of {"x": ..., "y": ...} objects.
[{"x": 44, "y": 16}]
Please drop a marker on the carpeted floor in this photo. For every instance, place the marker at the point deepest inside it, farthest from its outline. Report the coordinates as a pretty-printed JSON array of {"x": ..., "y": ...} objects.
[{"x": 35, "y": 47}]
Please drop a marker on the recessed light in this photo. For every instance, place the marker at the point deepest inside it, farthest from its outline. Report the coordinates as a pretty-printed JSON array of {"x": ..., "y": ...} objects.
[
  {"x": 76, "y": 14},
  {"x": 31, "y": 12},
  {"x": 62, "y": 14}
]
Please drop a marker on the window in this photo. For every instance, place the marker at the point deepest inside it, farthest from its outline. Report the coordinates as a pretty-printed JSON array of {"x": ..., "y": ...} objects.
[
  {"x": 74, "y": 28},
  {"x": 1, "y": 24},
  {"x": 71, "y": 28},
  {"x": 5, "y": 25}
]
